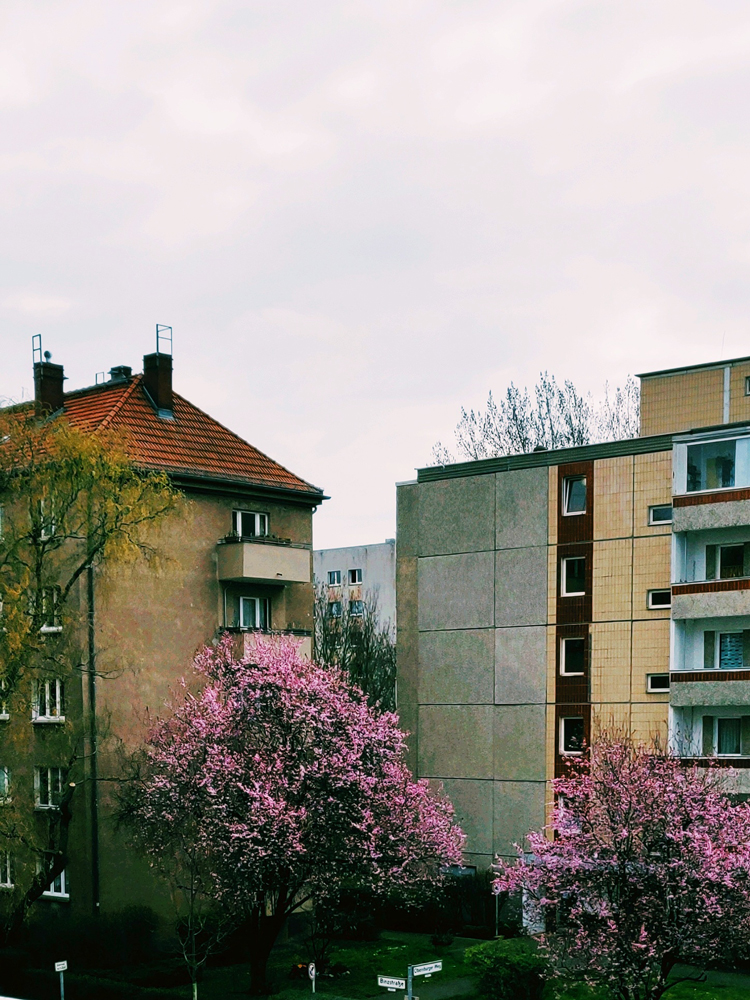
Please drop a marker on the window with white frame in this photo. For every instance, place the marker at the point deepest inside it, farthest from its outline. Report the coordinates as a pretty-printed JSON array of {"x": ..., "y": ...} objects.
[
  {"x": 573, "y": 656},
  {"x": 355, "y": 576},
  {"x": 49, "y": 701},
  {"x": 334, "y": 577},
  {"x": 356, "y": 608},
  {"x": 571, "y": 735},
  {"x": 6, "y": 870},
  {"x": 726, "y": 736},
  {"x": 4, "y": 785},
  {"x": 334, "y": 609},
  {"x": 47, "y": 524},
  {"x": 254, "y": 613},
  {"x": 657, "y": 683},
  {"x": 45, "y": 606},
  {"x": 48, "y": 782},
  {"x": 747, "y": 385},
  {"x": 657, "y": 600},
  {"x": 59, "y": 887},
  {"x": 249, "y": 523},
  {"x": 4, "y": 713},
  {"x": 573, "y": 576},
  {"x": 727, "y": 562},
  {"x": 574, "y": 495},
  {"x": 660, "y": 514}
]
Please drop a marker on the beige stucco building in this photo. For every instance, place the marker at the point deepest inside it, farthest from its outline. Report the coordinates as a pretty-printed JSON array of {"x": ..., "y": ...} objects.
[{"x": 545, "y": 595}]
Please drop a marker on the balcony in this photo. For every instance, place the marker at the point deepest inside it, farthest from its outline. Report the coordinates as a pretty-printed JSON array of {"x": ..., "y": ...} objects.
[
  {"x": 263, "y": 560},
  {"x": 711, "y": 599}
]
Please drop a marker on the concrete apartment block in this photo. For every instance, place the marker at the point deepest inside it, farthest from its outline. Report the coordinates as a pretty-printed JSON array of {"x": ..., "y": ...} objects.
[
  {"x": 360, "y": 572},
  {"x": 542, "y": 597}
]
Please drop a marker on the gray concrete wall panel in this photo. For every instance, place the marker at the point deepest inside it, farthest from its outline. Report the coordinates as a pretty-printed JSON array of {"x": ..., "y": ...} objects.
[
  {"x": 455, "y": 741},
  {"x": 521, "y": 586},
  {"x": 519, "y": 744},
  {"x": 456, "y": 667},
  {"x": 709, "y": 693},
  {"x": 473, "y": 802},
  {"x": 519, "y": 808},
  {"x": 522, "y": 509},
  {"x": 731, "y": 514},
  {"x": 719, "y": 604},
  {"x": 456, "y": 591},
  {"x": 457, "y": 515},
  {"x": 521, "y": 665}
]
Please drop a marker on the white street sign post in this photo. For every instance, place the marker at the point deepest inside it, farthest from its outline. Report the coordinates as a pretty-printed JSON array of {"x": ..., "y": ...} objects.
[
  {"x": 61, "y": 967},
  {"x": 392, "y": 983},
  {"x": 427, "y": 968},
  {"x": 311, "y": 974}
]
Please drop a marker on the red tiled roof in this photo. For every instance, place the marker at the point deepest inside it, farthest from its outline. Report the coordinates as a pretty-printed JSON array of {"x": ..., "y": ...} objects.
[{"x": 191, "y": 444}]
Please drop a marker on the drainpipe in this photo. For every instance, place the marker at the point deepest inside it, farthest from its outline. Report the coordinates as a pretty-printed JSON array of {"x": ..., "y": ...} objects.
[{"x": 93, "y": 743}]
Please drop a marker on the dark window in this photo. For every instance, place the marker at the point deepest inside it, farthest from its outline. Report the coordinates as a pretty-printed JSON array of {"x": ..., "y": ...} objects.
[
  {"x": 249, "y": 524},
  {"x": 574, "y": 495},
  {"x": 573, "y": 656},
  {"x": 574, "y": 576},
  {"x": 246, "y": 611},
  {"x": 660, "y": 599},
  {"x": 334, "y": 578},
  {"x": 334, "y": 609},
  {"x": 730, "y": 651},
  {"x": 731, "y": 561},
  {"x": 661, "y": 514},
  {"x": 355, "y": 576},
  {"x": 657, "y": 683},
  {"x": 356, "y": 608},
  {"x": 710, "y": 466},
  {"x": 571, "y": 735},
  {"x": 728, "y": 733}
]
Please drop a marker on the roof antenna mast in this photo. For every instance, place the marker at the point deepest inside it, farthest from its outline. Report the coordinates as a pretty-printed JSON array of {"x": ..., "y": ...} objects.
[{"x": 163, "y": 336}]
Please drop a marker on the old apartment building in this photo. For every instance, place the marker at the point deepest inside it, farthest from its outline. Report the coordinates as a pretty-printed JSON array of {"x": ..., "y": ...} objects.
[
  {"x": 238, "y": 559},
  {"x": 543, "y": 595}
]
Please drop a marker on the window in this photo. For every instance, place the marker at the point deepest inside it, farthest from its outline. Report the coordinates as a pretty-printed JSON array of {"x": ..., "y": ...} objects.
[
  {"x": 356, "y": 608},
  {"x": 254, "y": 613},
  {"x": 658, "y": 599},
  {"x": 47, "y": 524},
  {"x": 49, "y": 701},
  {"x": 4, "y": 784},
  {"x": 747, "y": 385},
  {"x": 48, "y": 609},
  {"x": 334, "y": 577},
  {"x": 730, "y": 650},
  {"x": 574, "y": 495},
  {"x": 571, "y": 735},
  {"x": 661, "y": 514},
  {"x": 710, "y": 466},
  {"x": 731, "y": 561},
  {"x": 657, "y": 683},
  {"x": 334, "y": 609},
  {"x": 573, "y": 576},
  {"x": 728, "y": 734},
  {"x": 4, "y": 714},
  {"x": 572, "y": 657},
  {"x": 355, "y": 576},
  {"x": 48, "y": 787},
  {"x": 6, "y": 871},
  {"x": 59, "y": 887},
  {"x": 249, "y": 524},
  {"x": 2, "y": 520}
]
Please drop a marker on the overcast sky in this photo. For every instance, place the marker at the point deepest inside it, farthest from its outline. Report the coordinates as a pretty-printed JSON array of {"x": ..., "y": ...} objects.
[{"x": 358, "y": 216}]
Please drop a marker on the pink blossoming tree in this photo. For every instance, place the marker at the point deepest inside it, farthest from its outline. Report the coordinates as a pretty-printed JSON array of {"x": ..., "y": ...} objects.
[
  {"x": 646, "y": 863},
  {"x": 288, "y": 784}
]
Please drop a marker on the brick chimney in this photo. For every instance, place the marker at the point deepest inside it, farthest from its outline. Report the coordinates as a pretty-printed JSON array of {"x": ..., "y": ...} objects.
[
  {"x": 48, "y": 386},
  {"x": 157, "y": 381}
]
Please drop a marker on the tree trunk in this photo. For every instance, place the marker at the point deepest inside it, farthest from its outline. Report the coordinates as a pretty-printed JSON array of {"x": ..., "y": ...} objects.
[{"x": 265, "y": 930}]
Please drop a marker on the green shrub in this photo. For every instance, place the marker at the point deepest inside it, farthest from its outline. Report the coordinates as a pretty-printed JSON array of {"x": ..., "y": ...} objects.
[{"x": 508, "y": 969}]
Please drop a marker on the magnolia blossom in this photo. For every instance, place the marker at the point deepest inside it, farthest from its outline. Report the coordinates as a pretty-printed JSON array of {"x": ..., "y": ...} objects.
[
  {"x": 646, "y": 863},
  {"x": 290, "y": 784}
]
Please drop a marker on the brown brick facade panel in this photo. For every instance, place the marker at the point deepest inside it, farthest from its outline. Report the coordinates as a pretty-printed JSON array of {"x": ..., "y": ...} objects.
[
  {"x": 718, "y": 496},
  {"x": 711, "y": 586},
  {"x": 575, "y": 609},
  {"x": 678, "y": 677},
  {"x": 575, "y": 527}
]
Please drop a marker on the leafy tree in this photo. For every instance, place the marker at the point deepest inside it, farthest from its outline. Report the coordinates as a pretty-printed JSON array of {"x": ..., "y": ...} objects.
[
  {"x": 70, "y": 503},
  {"x": 302, "y": 787},
  {"x": 646, "y": 863},
  {"x": 360, "y": 645},
  {"x": 553, "y": 416}
]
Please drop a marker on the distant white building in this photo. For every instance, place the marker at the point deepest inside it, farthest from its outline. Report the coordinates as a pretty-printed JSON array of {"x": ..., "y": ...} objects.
[{"x": 357, "y": 573}]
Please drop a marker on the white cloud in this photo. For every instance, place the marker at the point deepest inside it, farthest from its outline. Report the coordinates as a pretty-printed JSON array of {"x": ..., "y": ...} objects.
[{"x": 36, "y": 305}]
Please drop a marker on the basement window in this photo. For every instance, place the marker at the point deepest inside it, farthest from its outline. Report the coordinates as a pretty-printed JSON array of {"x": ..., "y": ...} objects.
[
  {"x": 571, "y": 736},
  {"x": 573, "y": 583},
  {"x": 573, "y": 657},
  {"x": 657, "y": 600},
  {"x": 574, "y": 495}
]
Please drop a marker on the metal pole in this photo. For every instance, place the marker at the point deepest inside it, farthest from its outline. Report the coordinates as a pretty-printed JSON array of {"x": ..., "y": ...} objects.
[
  {"x": 313, "y": 979},
  {"x": 497, "y": 914},
  {"x": 62, "y": 986},
  {"x": 409, "y": 982}
]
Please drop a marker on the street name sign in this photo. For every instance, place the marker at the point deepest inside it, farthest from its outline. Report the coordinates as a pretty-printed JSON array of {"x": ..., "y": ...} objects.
[
  {"x": 61, "y": 966},
  {"x": 427, "y": 968},
  {"x": 392, "y": 984}
]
